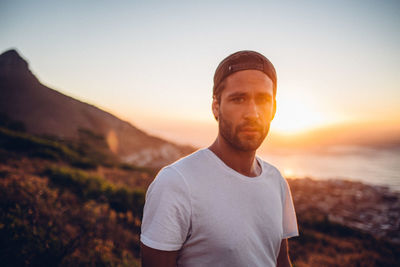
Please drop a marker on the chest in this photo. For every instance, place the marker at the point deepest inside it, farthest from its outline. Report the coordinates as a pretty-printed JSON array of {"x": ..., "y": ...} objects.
[{"x": 233, "y": 217}]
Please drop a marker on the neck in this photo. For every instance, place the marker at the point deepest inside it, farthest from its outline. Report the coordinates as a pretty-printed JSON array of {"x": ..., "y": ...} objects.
[{"x": 241, "y": 161}]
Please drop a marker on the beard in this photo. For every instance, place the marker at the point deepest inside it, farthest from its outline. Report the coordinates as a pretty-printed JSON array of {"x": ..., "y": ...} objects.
[{"x": 239, "y": 141}]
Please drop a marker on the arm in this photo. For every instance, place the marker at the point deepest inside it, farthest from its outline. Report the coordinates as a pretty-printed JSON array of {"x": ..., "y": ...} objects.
[
  {"x": 166, "y": 219},
  {"x": 157, "y": 258},
  {"x": 283, "y": 257}
]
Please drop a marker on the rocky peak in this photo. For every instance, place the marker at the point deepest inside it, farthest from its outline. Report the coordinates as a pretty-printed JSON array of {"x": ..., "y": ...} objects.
[{"x": 12, "y": 65}]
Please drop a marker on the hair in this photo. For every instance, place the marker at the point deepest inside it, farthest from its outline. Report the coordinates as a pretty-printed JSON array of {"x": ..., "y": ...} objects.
[
  {"x": 242, "y": 60},
  {"x": 218, "y": 91}
]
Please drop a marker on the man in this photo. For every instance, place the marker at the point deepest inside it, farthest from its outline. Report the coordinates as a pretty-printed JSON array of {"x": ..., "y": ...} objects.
[{"x": 223, "y": 205}]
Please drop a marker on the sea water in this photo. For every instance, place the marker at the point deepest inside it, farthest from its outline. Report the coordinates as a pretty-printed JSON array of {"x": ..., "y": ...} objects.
[{"x": 367, "y": 165}]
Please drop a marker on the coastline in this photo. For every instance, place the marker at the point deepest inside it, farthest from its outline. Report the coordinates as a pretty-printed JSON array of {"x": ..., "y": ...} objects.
[{"x": 371, "y": 209}]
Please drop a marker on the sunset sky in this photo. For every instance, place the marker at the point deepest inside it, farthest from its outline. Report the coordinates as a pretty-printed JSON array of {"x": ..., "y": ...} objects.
[{"x": 152, "y": 62}]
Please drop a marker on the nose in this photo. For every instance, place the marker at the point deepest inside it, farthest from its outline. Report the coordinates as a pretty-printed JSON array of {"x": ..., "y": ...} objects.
[{"x": 252, "y": 111}]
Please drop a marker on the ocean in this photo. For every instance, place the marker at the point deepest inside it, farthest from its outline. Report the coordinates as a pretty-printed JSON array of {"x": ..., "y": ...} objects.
[{"x": 367, "y": 165}]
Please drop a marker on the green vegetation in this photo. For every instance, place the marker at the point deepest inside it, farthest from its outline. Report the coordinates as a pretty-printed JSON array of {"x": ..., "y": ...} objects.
[
  {"x": 130, "y": 167},
  {"x": 21, "y": 143},
  {"x": 60, "y": 214},
  {"x": 122, "y": 199},
  {"x": 6, "y": 122},
  {"x": 44, "y": 226},
  {"x": 94, "y": 146},
  {"x": 87, "y": 152}
]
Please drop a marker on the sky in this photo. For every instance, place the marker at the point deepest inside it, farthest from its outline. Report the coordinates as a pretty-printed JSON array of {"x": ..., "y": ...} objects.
[{"x": 152, "y": 62}]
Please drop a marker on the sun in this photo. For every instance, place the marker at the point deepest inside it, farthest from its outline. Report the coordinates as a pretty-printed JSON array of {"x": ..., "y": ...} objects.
[{"x": 294, "y": 116}]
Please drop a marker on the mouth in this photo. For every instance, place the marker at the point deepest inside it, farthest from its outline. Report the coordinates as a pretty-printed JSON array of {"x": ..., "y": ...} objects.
[
  {"x": 250, "y": 127},
  {"x": 250, "y": 130}
]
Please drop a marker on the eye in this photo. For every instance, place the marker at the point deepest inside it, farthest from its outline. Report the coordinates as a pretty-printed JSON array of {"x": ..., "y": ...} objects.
[
  {"x": 238, "y": 100},
  {"x": 263, "y": 100}
]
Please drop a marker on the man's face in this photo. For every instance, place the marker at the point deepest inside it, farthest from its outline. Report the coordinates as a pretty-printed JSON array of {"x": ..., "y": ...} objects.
[{"x": 246, "y": 109}]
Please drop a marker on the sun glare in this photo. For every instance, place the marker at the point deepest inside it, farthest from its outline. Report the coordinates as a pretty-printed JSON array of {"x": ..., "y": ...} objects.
[
  {"x": 293, "y": 117},
  {"x": 288, "y": 172}
]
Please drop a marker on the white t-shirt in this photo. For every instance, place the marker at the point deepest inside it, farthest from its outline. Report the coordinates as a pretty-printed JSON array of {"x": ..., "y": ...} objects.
[{"x": 216, "y": 216}]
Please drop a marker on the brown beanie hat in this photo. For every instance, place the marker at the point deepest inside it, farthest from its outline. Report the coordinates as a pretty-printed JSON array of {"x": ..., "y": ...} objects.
[{"x": 244, "y": 60}]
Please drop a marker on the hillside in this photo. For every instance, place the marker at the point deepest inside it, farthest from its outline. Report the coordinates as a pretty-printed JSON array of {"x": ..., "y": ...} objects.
[
  {"x": 46, "y": 111},
  {"x": 66, "y": 205}
]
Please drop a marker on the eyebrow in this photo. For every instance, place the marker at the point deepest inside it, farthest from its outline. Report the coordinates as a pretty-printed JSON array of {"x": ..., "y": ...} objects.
[
  {"x": 237, "y": 94},
  {"x": 241, "y": 94}
]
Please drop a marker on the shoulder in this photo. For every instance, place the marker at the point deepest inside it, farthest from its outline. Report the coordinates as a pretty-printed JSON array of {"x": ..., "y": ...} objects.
[
  {"x": 270, "y": 169},
  {"x": 195, "y": 163},
  {"x": 174, "y": 175},
  {"x": 190, "y": 160},
  {"x": 272, "y": 172}
]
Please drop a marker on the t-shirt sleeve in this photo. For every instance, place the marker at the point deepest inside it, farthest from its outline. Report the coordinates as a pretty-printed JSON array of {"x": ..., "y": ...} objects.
[
  {"x": 289, "y": 221},
  {"x": 167, "y": 212}
]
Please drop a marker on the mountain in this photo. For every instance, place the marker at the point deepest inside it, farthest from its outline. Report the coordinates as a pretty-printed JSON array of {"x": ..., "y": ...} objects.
[{"x": 45, "y": 111}]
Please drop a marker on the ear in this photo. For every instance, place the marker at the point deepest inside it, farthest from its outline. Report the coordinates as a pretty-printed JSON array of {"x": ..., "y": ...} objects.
[
  {"x": 274, "y": 110},
  {"x": 215, "y": 107}
]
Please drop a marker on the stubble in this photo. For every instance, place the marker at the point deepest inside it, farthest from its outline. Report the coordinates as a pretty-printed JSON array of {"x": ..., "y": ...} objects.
[{"x": 235, "y": 137}]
